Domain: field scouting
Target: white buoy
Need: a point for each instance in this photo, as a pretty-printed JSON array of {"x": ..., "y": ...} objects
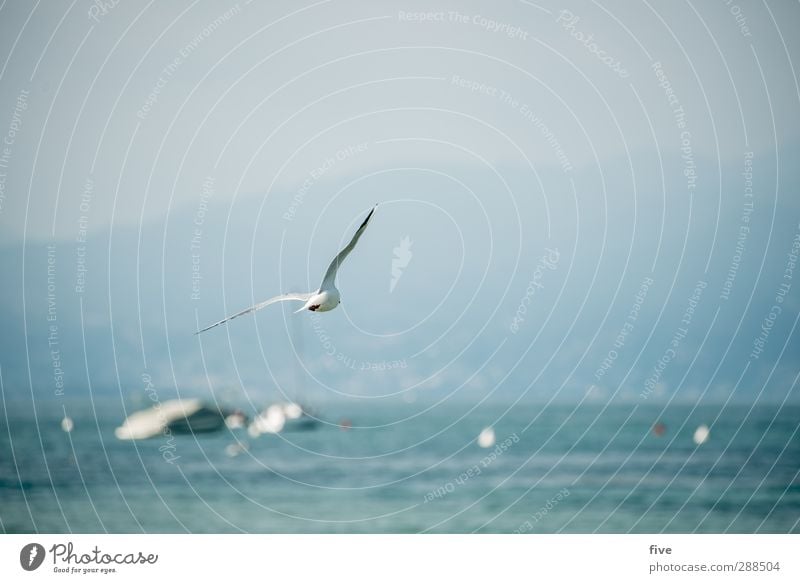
[
  {"x": 701, "y": 434},
  {"x": 486, "y": 437},
  {"x": 67, "y": 424}
]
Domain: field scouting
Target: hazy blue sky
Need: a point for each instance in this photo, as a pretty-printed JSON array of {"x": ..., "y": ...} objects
[{"x": 166, "y": 165}]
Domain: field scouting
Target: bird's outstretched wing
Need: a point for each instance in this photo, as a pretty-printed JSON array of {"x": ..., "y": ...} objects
[
  {"x": 330, "y": 275},
  {"x": 282, "y": 298}
]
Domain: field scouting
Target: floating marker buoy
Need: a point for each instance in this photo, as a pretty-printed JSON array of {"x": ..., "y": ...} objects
[
  {"x": 701, "y": 434},
  {"x": 66, "y": 424},
  {"x": 486, "y": 437}
]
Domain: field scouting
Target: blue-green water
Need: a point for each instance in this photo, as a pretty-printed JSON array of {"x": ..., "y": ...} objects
[{"x": 403, "y": 469}]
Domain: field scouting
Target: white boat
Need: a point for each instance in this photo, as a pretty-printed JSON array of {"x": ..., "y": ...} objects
[
  {"x": 282, "y": 417},
  {"x": 175, "y": 416}
]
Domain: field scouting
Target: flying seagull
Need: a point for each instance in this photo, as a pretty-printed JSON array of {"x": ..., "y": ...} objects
[{"x": 326, "y": 298}]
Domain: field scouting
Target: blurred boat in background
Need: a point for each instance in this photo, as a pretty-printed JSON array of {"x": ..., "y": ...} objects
[
  {"x": 280, "y": 417},
  {"x": 175, "y": 416}
]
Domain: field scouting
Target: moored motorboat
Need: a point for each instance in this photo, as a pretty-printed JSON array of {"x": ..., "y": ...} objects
[{"x": 175, "y": 416}]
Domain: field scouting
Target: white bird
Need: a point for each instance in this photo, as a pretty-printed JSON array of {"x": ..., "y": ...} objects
[{"x": 326, "y": 298}]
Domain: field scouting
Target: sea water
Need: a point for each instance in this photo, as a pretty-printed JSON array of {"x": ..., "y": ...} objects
[{"x": 410, "y": 468}]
